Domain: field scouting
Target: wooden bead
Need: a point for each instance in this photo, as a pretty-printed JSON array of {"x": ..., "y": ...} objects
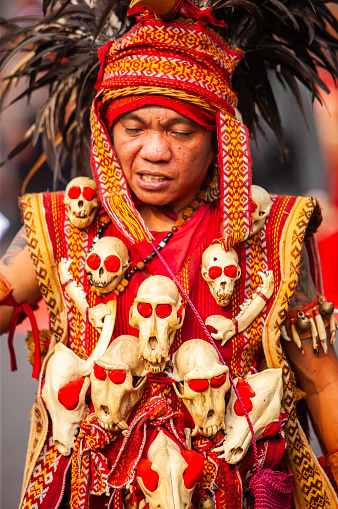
[
  {"x": 188, "y": 212},
  {"x": 149, "y": 258},
  {"x": 180, "y": 222},
  {"x": 124, "y": 282},
  {"x": 117, "y": 293},
  {"x": 195, "y": 204},
  {"x": 140, "y": 265},
  {"x": 174, "y": 229},
  {"x": 120, "y": 288}
]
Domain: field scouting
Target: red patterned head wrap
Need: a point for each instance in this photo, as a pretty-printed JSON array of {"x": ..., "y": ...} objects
[{"x": 183, "y": 65}]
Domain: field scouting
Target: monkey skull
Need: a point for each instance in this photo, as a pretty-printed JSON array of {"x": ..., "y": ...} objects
[
  {"x": 81, "y": 201},
  {"x": 106, "y": 264},
  {"x": 157, "y": 312},
  {"x": 118, "y": 382},
  {"x": 202, "y": 382},
  {"x": 220, "y": 270},
  {"x": 262, "y": 201}
]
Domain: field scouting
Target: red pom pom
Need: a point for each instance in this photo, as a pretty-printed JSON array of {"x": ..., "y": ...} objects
[
  {"x": 149, "y": 477},
  {"x": 112, "y": 263},
  {"x": 69, "y": 394},
  {"x": 163, "y": 310},
  {"x": 74, "y": 192},
  {"x": 218, "y": 381},
  {"x": 93, "y": 261},
  {"x": 214, "y": 272},
  {"x": 230, "y": 271},
  {"x": 145, "y": 309},
  {"x": 117, "y": 376},
  {"x": 89, "y": 193},
  {"x": 99, "y": 372},
  {"x": 272, "y": 429},
  {"x": 198, "y": 385},
  {"x": 194, "y": 469}
]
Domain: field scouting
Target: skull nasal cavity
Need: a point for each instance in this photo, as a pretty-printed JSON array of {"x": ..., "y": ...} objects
[
  {"x": 105, "y": 409},
  {"x": 210, "y": 414},
  {"x": 153, "y": 343},
  {"x": 112, "y": 263},
  {"x": 93, "y": 261}
]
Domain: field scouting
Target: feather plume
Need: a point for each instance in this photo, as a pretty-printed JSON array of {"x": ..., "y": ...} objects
[{"x": 295, "y": 39}]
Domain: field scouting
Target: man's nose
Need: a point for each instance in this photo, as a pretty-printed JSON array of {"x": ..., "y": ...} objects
[{"x": 156, "y": 148}]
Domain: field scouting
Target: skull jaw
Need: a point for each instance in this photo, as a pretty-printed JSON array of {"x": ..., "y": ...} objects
[
  {"x": 81, "y": 218},
  {"x": 155, "y": 351},
  {"x": 223, "y": 299},
  {"x": 64, "y": 436},
  {"x": 103, "y": 287},
  {"x": 222, "y": 294}
]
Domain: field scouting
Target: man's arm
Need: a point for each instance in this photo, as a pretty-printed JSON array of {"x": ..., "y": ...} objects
[
  {"x": 18, "y": 270},
  {"x": 317, "y": 374}
]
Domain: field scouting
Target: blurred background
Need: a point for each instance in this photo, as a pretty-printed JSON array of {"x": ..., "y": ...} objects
[{"x": 312, "y": 169}]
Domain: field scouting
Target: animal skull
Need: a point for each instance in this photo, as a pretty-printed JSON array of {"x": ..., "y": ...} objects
[
  {"x": 106, "y": 264},
  {"x": 63, "y": 393},
  {"x": 265, "y": 409},
  {"x": 168, "y": 476},
  {"x": 220, "y": 270},
  {"x": 118, "y": 381},
  {"x": 261, "y": 199},
  {"x": 81, "y": 201},
  {"x": 157, "y": 312},
  {"x": 202, "y": 384}
]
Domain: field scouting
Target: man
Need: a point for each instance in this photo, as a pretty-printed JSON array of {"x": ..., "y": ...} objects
[{"x": 154, "y": 158}]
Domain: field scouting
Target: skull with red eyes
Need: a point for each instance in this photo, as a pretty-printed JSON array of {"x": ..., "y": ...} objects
[
  {"x": 118, "y": 382},
  {"x": 202, "y": 382},
  {"x": 220, "y": 270},
  {"x": 157, "y": 312},
  {"x": 81, "y": 201},
  {"x": 106, "y": 264}
]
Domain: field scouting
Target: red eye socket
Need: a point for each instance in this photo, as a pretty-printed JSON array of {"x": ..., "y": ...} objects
[
  {"x": 230, "y": 271},
  {"x": 198, "y": 385},
  {"x": 214, "y": 272},
  {"x": 69, "y": 394},
  {"x": 99, "y": 372},
  {"x": 112, "y": 263},
  {"x": 145, "y": 309},
  {"x": 89, "y": 193},
  {"x": 93, "y": 261},
  {"x": 74, "y": 192},
  {"x": 117, "y": 376},
  {"x": 163, "y": 310},
  {"x": 218, "y": 381}
]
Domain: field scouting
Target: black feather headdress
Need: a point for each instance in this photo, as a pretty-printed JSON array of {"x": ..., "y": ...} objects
[{"x": 295, "y": 39}]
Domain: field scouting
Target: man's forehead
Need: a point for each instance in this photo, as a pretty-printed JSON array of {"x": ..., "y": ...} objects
[{"x": 154, "y": 113}]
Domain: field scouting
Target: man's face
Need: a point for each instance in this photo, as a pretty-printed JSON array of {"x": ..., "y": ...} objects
[{"x": 164, "y": 155}]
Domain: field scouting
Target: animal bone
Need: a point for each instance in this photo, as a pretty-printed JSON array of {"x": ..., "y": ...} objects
[
  {"x": 168, "y": 476},
  {"x": 81, "y": 201},
  {"x": 250, "y": 309},
  {"x": 220, "y": 270},
  {"x": 118, "y": 382},
  {"x": 63, "y": 368},
  {"x": 157, "y": 312},
  {"x": 266, "y": 407},
  {"x": 202, "y": 382}
]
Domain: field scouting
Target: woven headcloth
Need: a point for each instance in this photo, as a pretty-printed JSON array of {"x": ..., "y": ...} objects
[{"x": 186, "y": 66}]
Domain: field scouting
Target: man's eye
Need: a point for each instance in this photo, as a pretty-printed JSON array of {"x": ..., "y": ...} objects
[
  {"x": 131, "y": 130},
  {"x": 182, "y": 134}
]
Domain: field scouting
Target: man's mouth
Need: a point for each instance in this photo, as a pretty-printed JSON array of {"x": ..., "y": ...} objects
[{"x": 152, "y": 178}]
